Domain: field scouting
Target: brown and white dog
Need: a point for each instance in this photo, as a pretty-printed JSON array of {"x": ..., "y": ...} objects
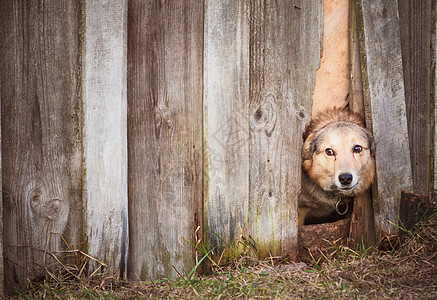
[{"x": 338, "y": 163}]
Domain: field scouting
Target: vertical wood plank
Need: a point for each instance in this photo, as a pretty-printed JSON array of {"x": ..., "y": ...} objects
[
  {"x": 415, "y": 29},
  {"x": 226, "y": 124},
  {"x": 105, "y": 133},
  {"x": 41, "y": 133},
  {"x": 333, "y": 76},
  {"x": 434, "y": 93},
  {"x": 165, "y": 41},
  {"x": 384, "y": 75},
  {"x": 2, "y": 270},
  {"x": 356, "y": 97},
  {"x": 362, "y": 226},
  {"x": 285, "y": 55}
]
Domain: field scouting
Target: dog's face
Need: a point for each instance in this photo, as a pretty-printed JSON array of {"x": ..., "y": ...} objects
[{"x": 339, "y": 158}]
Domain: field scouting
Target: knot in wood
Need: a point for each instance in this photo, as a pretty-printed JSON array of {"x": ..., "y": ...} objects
[
  {"x": 301, "y": 114},
  {"x": 52, "y": 209},
  {"x": 263, "y": 115},
  {"x": 164, "y": 116},
  {"x": 35, "y": 197}
]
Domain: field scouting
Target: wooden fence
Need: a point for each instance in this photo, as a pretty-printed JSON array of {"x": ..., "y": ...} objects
[{"x": 127, "y": 125}]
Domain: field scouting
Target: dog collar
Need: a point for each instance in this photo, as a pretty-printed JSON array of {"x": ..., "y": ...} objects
[{"x": 341, "y": 206}]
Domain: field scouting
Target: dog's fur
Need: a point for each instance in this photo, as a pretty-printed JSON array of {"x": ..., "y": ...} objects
[{"x": 326, "y": 173}]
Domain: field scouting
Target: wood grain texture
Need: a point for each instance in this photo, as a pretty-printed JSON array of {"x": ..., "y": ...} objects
[
  {"x": 434, "y": 98},
  {"x": 226, "y": 123},
  {"x": 356, "y": 97},
  {"x": 415, "y": 28},
  {"x": 362, "y": 226},
  {"x": 2, "y": 270},
  {"x": 333, "y": 76},
  {"x": 384, "y": 75},
  {"x": 285, "y": 54},
  {"x": 105, "y": 133},
  {"x": 164, "y": 135},
  {"x": 41, "y": 133}
]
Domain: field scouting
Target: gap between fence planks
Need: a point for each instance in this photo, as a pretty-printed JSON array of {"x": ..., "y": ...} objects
[{"x": 333, "y": 76}]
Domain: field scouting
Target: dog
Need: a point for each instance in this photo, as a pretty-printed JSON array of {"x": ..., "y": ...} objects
[{"x": 338, "y": 163}]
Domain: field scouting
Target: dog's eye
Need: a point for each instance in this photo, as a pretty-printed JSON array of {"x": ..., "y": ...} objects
[
  {"x": 329, "y": 152},
  {"x": 358, "y": 149}
]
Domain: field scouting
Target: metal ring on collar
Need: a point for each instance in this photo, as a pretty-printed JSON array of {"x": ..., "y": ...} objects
[{"x": 341, "y": 201}]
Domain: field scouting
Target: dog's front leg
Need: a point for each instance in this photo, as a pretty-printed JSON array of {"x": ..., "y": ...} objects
[{"x": 302, "y": 212}]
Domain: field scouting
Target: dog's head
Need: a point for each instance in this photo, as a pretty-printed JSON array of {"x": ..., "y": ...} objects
[{"x": 338, "y": 152}]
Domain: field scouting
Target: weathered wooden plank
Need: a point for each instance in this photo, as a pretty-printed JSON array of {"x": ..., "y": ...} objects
[
  {"x": 362, "y": 226},
  {"x": 105, "y": 133},
  {"x": 2, "y": 270},
  {"x": 333, "y": 81},
  {"x": 384, "y": 75},
  {"x": 415, "y": 29},
  {"x": 41, "y": 149},
  {"x": 356, "y": 97},
  {"x": 226, "y": 124},
  {"x": 285, "y": 55},
  {"x": 164, "y": 135},
  {"x": 434, "y": 100}
]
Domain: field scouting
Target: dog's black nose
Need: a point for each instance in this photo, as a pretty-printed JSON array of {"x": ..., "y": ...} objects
[{"x": 345, "y": 178}]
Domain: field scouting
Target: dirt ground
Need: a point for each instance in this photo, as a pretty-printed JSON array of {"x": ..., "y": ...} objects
[{"x": 399, "y": 268}]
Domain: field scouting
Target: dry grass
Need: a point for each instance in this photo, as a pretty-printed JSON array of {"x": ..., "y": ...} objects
[{"x": 400, "y": 270}]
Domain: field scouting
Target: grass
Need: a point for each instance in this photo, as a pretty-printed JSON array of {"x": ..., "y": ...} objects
[{"x": 396, "y": 269}]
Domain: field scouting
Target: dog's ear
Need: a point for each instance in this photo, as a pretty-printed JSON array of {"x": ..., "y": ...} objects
[
  {"x": 372, "y": 145},
  {"x": 309, "y": 147},
  {"x": 371, "y": 142}
]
